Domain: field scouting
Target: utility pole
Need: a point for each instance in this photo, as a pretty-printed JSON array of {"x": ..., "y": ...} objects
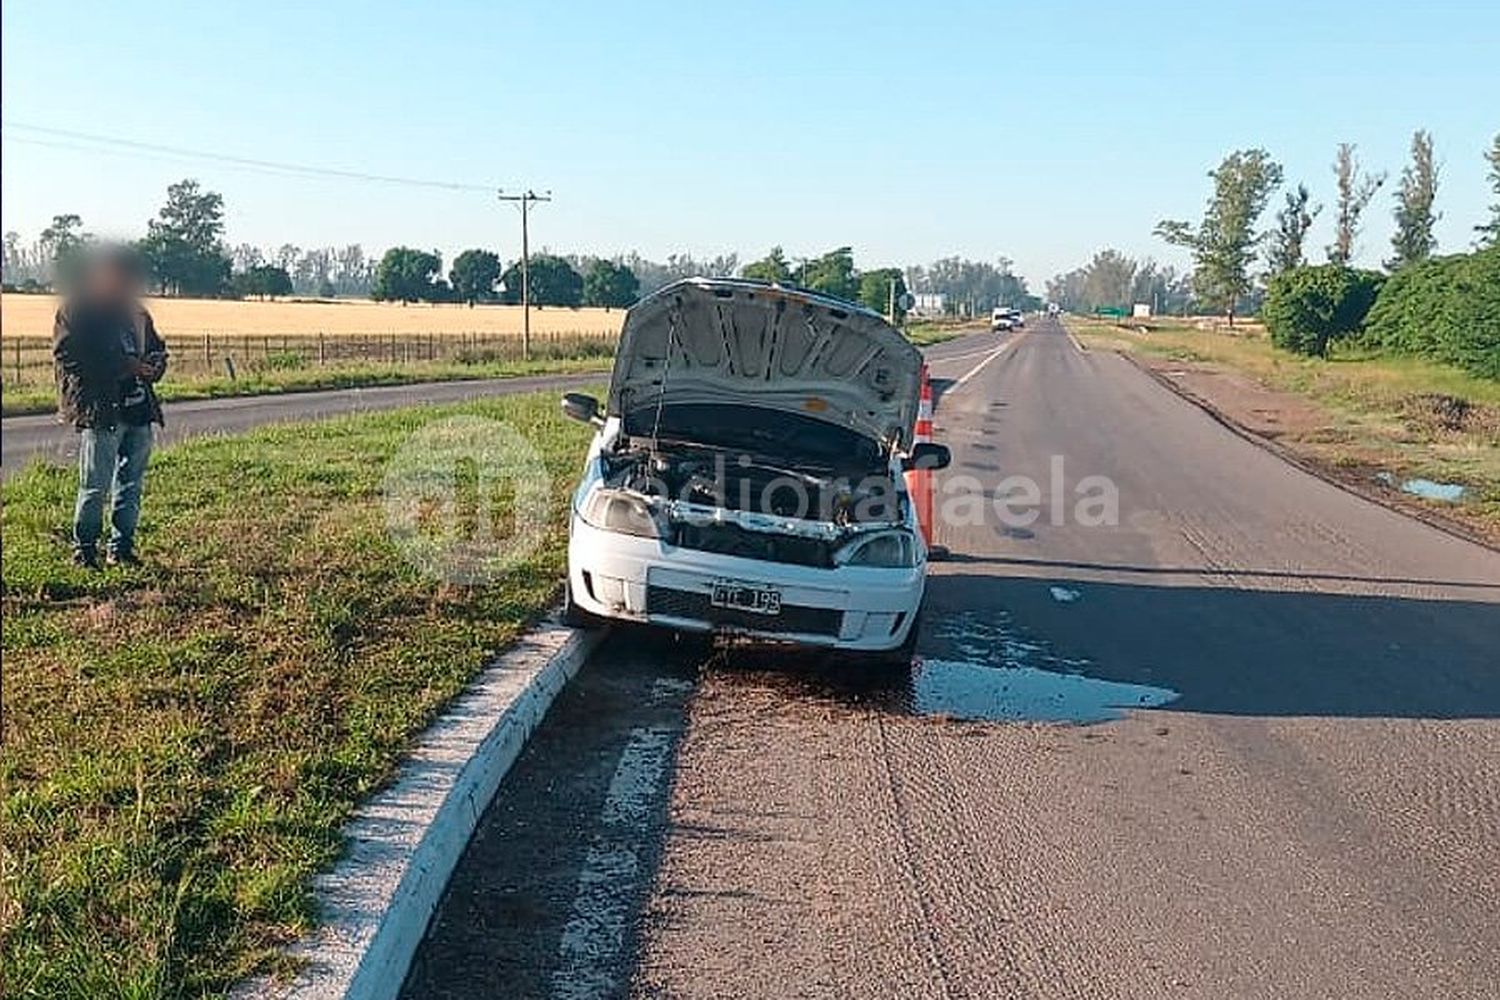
[{"x": 524, "y": 199}]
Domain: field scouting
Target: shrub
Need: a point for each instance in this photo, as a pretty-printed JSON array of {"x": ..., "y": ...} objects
[
  {"x": 1306, "y": 308},
  {"x": 1446, "y": 309}
]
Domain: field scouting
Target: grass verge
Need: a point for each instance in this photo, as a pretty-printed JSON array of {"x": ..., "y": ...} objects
[
  {"x": 184, "y": 741},
  {"x": 1369, "y": 413},
  {"x": 927, "y": 333},
  {"x": 42, "y": 397}
]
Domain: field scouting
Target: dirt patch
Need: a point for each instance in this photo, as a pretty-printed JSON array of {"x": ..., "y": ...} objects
[{"x": 1441, "y": 413}]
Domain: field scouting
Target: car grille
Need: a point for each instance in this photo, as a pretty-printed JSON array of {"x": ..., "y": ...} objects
[
  {"x": 731, "y": 540},
  {"x": 696, "y": 606}
]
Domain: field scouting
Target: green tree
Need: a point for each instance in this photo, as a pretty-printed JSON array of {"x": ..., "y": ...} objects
[
  {"x": 553, "y": 282},
  {"x": 1109, "y": 280},
  {"x": 1413, "y": 240},
  {"x": 1309, "y": 307},
  {"x": 474, "y": 275},
  {"x": 1355, "y": 192},
  {"x": 1444, "y": 308},
  {"x": 262, "y": 281},
  {"x": 406, "y": 275},
  {"x": 1489, "y": 232},
  {"x": 63, "y": 242},
  {"x": 1292, "y": 223},
  {"x": 1223, "y": 246},
  {"x": 610, "y": 285},
  {"x": 875, "y": 291},
  {"x": 833, "y": 274},
  {"x": 184, "y": 245},
  {"x": 772, "y": 267}
]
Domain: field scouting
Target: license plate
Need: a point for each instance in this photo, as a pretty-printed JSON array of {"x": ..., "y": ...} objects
[{"x": 745, "y": 597}]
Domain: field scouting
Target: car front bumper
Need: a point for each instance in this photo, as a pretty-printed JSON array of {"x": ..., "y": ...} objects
[{"x": 855, "y": 608}]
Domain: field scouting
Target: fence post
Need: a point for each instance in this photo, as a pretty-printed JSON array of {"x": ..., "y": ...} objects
[
  {"x": 321, "y": 356},
  {"x": 208, "y": 354},
  {"x": 18, "y": 360}
]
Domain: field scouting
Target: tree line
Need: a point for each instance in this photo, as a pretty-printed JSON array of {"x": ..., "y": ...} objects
[
  {"x": 185, "y": 253},
  {"x": 1442, "y": 307},
  {"x": 1235, "y": 260},
  {"x": 1112, "y": 279}
]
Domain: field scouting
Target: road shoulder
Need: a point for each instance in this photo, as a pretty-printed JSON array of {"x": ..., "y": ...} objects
[{"x": 1283, "y": 423}]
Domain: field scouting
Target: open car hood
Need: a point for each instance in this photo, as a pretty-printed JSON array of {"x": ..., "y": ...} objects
[{"x": 723, "y": 340}]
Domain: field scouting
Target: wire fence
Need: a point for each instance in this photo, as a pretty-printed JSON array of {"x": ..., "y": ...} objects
[{"x": 27, "y": 360}]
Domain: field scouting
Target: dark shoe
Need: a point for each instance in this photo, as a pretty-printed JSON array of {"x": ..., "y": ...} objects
[
  {"x": 86, "y": 558},
  {"x": 124, "y": 557}
]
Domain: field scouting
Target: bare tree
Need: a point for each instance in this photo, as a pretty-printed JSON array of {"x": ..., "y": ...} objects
[{"x": 1355, "y": 192}]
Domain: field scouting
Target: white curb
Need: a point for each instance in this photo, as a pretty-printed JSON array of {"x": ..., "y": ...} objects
[{"x": 405, "y": 842}]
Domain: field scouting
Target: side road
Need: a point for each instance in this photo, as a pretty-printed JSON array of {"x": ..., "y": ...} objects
[{"x": 40, "y": 435}]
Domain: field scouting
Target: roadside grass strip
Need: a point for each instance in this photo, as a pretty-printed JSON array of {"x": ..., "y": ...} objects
[{"x": 183, "y": 742}]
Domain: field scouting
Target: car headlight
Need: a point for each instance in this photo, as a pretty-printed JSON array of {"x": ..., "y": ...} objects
[
  {"x": 886, "y": 550},
  {"x": 613, "y": 510}
]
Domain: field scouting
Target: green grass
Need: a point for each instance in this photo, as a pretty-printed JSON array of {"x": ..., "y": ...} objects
[
  {"x": 925, "y": 334},
  {"x": 42, "y": 397},
  {"x": 1383, "y": 412},
  {"x": 184, "y": 741}
]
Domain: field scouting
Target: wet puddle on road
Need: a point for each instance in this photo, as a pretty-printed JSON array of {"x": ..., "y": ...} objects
[
  {"x": 1006, "y": 675},
  {"x": 1024, "y": 694},
  {"x": 991, "y": 671}
]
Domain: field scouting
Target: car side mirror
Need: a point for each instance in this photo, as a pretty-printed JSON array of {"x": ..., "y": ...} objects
[
  {"x": 927, "y": 455},
  {"x": 582, "y": 408}
]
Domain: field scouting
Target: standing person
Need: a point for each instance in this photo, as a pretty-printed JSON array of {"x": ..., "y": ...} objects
[{"x": 108, "y": 357}]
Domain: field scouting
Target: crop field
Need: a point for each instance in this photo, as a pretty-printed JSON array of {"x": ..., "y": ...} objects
[
  {"x": 225, "y": 347},
  {"x": 31, "y": 316}
]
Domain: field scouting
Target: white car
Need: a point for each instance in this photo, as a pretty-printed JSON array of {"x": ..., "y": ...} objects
[
  {"x": 1005, "y": 318},
  {"x": 746, "y": 476}
]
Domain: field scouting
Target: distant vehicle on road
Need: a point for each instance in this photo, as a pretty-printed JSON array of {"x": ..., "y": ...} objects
[
  {"x": 1004, "y": 318},
  {"x": 746, "y": 475}
]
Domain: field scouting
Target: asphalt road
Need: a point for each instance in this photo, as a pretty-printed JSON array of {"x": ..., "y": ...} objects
[
  {"x": 1312, "y": 809},
  {"x": 41, "y": 436}
]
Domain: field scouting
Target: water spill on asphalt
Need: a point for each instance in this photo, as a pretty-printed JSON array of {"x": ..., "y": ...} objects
[
  {"x": 975, "y": 691},
  {"x": 990, "y": 669},
  {"x": 1007, "y": 675}
]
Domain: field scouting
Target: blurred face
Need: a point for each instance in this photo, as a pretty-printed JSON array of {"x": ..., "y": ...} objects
[{"x": 111, "y": 281}]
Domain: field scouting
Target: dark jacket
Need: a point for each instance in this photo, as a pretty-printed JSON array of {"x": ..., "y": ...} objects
[{"x": 90, "y": 362}]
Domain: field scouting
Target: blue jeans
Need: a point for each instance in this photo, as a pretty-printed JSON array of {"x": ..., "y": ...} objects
[{"x": 111, "y": 462}]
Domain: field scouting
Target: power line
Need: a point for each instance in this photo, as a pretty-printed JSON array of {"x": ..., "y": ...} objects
[{"x": 274, "y": 166}]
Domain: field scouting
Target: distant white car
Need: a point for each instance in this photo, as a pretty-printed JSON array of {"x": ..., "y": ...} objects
[
  {"x": 1005, "y": 318},
  {"x": 746, "y": 474}
]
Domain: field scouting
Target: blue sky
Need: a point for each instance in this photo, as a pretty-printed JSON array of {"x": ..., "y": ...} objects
[{"x": 1037, "y": 131}]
